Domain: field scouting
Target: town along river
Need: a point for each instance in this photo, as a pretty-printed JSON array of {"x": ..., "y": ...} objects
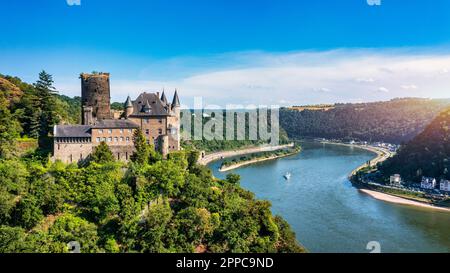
[{"x": 329, "y": 215}]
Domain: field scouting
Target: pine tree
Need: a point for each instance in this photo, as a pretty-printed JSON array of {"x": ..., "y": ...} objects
[
  {"x": 142, "y": 153},
  {"x": 34, "y": 124},
  {"x": 102, "y": 154},
  {"x": 45, "y": 102}
]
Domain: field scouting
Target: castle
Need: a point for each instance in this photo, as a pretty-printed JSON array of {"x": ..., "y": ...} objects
[{"x": 151, "y": 113}]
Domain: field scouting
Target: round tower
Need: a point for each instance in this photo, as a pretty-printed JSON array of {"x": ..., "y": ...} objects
[
  {"x": 95, "y": 93},
  {"x": 128, "y": 107}
]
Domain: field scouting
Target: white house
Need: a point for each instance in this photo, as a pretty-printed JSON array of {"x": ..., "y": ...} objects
[
  {"x": 395, "y": 179},
  {"x": 428, "y": 183},
  {"x": 444, "y": 185}
]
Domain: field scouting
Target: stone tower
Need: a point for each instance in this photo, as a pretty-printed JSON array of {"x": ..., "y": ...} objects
[
  {"x": 173, "y": 124},
  {"x": 128, "y": 107},
  {"x": 95, "y": 93}
]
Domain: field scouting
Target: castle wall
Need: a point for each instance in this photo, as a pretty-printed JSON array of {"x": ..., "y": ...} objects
[
  {"x": 119, "y": 141},
  {"x": 152, "y": 128},
  {"x": 71, "y": 151},
  {"x": 95, "y": 92}
]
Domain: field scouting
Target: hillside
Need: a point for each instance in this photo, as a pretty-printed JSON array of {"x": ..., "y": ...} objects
[
  {"x": 149, "y": 205},
  {"x": 396, "y": 121},
  {"x": 146, "y": 205},
  {"x": 428, "y": 154}
]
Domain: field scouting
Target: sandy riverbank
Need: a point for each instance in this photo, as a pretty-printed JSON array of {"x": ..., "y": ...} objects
[
  {"x": 253, "y": 161},
  {"x": 399, "y": 200},
  {"x": 224, "y": 154},
  {"x": 382, "y": 155}
]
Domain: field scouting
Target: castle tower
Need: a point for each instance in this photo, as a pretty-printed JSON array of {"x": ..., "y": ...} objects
[
  {"x": 163, "y": 98},
  {"x": 173, "y": 123},
  {"x": 87, "y": 115},
  {"x": 95, "y": 93},
  {"x": 128, "y": 107},
  {"x": 176, "y": 104}
]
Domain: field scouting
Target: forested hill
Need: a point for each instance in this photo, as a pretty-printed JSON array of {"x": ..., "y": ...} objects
[
  {"x": 149, "y": 204},
  {"x": 395, "y": 121},
  {"x": 428, "y": 154}
]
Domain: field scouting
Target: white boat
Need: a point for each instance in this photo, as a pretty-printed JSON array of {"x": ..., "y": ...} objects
[{"x": 287, "y": 176}]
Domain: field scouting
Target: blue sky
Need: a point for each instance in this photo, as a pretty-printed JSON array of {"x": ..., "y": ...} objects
[{"x": 234, "y": 51}]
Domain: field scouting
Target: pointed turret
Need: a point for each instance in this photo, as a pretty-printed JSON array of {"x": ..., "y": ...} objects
[
  {"x": 176, "y": 100},
  {"x": 163, "y": 98},
  {"x": 128, "y": 105}
]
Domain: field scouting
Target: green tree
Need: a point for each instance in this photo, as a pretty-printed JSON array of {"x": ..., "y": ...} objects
[
  {"x": 102, "y": 154},
  {"x": 142, "y": 153},
  {"x": 154, "y": 231},
  {"x": 27, "y": 212},
  {"x": 68, "y": 228},
  {"x": 45, "y": 102},
  {"x": 233, "y": 178},
  {"x": 145, "y": 153},
  {"x": 10, "y": 130},
  {"x": 12, "y": 239}
]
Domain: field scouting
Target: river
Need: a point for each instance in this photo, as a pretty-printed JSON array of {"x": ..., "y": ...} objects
[{"x": 329, "y": 215}]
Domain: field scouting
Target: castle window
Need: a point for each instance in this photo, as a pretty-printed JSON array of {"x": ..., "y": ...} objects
[
  {"x": 128, "y": 139},
  {"x": 109, "y": 139},
  {"x": 98, "y": 139},
  {"x": 100, "y": 131},
  {"x": 130, "y": 130},
  {"x": 116, "y": 139},
  {"x": 160, "y": 131},
  {"x": 147, "y": 131},
  {"x": 121, "y": 131},
  {"x": 110, "y": 131},
  {"x": 160, "y": 120},
  {"x": 104, "y": 139},
  {"x": 121, "y": 139}
]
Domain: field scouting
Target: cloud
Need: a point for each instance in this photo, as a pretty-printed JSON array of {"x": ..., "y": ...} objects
[
  {"x": 322, "y": 89},
  {"x": 409, "y": 86},
  {"x": 73, "y": 2},
  {"x": 365, "y": 80},
  {"x": 342, "y": 75},
  {"x": 383, "y": 89}
]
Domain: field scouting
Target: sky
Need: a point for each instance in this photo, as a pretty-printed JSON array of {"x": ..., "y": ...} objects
[{"x": 235, "y": 51}]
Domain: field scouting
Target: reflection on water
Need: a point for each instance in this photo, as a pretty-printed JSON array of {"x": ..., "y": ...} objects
[{"x": 329, "y": 215}]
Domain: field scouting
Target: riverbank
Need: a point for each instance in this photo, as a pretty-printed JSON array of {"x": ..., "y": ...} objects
[
  {"x": 381, "y": 154},
  {"x": 253, "y": 161},
  {"x": 399, "y": 200},
  {"x": 224, "y": 154}
]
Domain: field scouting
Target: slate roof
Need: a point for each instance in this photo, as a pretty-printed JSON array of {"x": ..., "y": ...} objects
[
  {"x": 72, "y": 131},
  {"x": 158, "y": 108},
  {"x": 114, "y": 123},
  {"x": 176, "y": 100},
  {"x": 128, "y": 103},
  {"x": 163, "y": 98}
]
